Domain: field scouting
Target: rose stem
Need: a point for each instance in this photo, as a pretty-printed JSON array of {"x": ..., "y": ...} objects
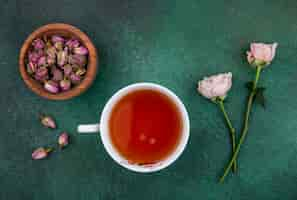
[
  {"x": 246, "y": 124},
  {"x": 231, "y": 129}
]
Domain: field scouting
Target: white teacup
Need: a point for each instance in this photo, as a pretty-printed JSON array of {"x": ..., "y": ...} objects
[{"x": 105, "y": 136}]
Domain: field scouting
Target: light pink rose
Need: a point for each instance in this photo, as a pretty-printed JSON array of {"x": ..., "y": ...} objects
[
  {"x": 261, "y": 54},
  {"x": 215, "y": 86}
]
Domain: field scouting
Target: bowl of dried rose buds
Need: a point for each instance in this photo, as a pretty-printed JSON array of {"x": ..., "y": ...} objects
[{"x": 58, "y": 61}]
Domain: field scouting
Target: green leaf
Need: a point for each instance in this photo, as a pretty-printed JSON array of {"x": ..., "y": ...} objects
[
  {"x": 259, "y": 97},
  {"x": 249, "y": 85}
]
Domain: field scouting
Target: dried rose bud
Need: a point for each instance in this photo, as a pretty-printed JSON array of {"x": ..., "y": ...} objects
[
  {"x": 51, "y": 86},
  {"x": 57, "y": 74},
  {"x": 63, "y": 140},
  {"x": 41, "y": 61},
  {"x": 80, "y": 50},
  {"x": 42, "y": 72},
  {"x": 75, "y": 67},
  {"x": 71, "y": 59},
  {"x": 48, "y": 44},
  {"x": 31, "y": 67},
  {"x": 33, "y": 57},
  {"x": 80, "y": 60},
  {"x": 81, "y": 71},
  {"x": 56, "y": 38},
  {"x": 72, "y": 43},
  {"x": 50, "y": 60},
  {"x": 40, "y": 53},
  {"x": 51, "y": 55},
  {"x": 65, "y": 84},
  {"x": 51, "y": 52},
  {"x": 41, "y": 79},
  {"x": 38, "y": 44},
  {"x": 47, "y": 121},
  {"x": 62, "y": 57},
  {"x": 58, "y": 46},
  {"x": 75, "y": 79},
  {"x": 41, "y": 153},
  {"x": 67, "y": 70}
]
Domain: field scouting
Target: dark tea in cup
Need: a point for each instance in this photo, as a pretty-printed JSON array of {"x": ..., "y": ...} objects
[{"x": 145, "y": 126}]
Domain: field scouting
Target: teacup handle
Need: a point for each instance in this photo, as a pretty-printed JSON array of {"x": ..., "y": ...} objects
[{"x": 88, "y": 128}]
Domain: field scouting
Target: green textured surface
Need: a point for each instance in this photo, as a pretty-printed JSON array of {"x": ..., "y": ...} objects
[{"x": 173, "y": 43}]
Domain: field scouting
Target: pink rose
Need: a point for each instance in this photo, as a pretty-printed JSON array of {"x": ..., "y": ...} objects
[
  {"x": 261, "y": 54},
  {"x": 215, "y": 86}
]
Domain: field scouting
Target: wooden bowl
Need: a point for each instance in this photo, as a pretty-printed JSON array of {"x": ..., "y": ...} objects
[{"x": 66, "y": 31}]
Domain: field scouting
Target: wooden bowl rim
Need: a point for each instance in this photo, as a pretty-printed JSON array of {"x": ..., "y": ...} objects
[{"x": 90, "y": 76}]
